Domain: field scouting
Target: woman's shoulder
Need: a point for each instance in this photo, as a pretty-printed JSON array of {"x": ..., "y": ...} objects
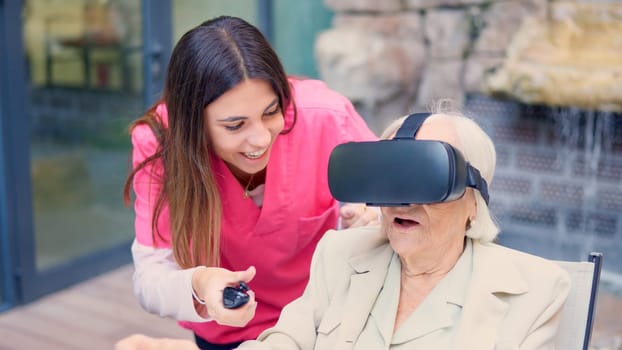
[
  {"x": 142, "y": 133},
  {"x": 532, "y": 267},
  {"x": 353, "y": 241},
  {"x": 322, "y": 111}
]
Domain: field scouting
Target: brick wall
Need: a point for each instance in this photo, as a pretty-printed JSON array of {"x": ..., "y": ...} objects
[{"x": 557, "y": 191}]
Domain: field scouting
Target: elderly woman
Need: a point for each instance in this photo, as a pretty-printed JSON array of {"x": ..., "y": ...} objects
[{"x": 429, "y": 277}]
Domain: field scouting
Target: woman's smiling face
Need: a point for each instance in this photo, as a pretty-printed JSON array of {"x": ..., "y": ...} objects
[
  {"x": 243, "y": 124},
  {"x": 416, "y": 229}
]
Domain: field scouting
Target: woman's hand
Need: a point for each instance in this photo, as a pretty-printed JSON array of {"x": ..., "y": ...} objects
[
  {"x": 354, "y": 215},
  {"x": 209, "y": 283},
  {"x": 142, "y": 342}
]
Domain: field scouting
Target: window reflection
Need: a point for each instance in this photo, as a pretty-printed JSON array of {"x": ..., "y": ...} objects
[{"x": 85, "y": 76}]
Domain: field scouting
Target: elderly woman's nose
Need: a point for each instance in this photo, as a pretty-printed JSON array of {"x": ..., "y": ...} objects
[
  {"x": 409, "y": 207},
  {"x": 259, "y": 136},
  {"x": 399, "y": 210}
]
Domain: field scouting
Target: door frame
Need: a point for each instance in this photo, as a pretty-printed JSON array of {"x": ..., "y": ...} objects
[{"x": 14, "y": 158}]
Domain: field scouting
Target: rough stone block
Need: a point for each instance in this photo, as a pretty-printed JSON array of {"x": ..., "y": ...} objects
[
  {"x": 441, "y": 80},
  {"x": 363, "y": 5},
  {"x": 500, "y": 22},
  {"x": 368, "y": 68},
  {"x": 405, "y": 25},
  {"x": 447, "y": 33},
  {"x": 477, "y": 67},
  {"x": 426, "y": 4}
]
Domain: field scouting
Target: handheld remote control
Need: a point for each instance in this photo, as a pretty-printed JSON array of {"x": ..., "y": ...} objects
[{"x": 234, "y": 297}]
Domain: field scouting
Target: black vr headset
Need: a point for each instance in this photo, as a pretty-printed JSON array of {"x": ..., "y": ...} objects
[{"x": 401, "y": 171}]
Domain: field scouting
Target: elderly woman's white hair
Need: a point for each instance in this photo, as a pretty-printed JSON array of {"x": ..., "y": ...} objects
[{"x": 478, "y": 149}]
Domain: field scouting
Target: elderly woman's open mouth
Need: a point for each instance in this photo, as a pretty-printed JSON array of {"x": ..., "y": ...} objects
[{"x": 404, "y": 223}]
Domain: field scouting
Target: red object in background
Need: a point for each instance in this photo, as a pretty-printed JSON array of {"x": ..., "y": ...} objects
[{"x": 103, "y": 75}]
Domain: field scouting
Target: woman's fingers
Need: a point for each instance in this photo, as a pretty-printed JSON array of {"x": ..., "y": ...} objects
[
  {"x": 143, "y": 342},
  {"x": 355, "y": 215}
]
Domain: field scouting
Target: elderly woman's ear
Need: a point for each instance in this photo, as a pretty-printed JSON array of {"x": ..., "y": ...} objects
[{"x": 470, "y": 221}]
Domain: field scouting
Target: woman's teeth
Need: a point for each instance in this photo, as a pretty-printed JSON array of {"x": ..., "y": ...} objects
[{"x": 255, "y": 155}]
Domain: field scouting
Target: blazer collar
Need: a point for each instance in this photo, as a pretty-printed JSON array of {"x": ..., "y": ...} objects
[
  {"x": 495, "y": 278},
  {"x": 370, "y": 270},
  {"x": 365, "y": 287}
]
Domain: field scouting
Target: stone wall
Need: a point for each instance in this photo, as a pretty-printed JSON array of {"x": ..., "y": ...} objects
[{"x": 393, "y": 56}]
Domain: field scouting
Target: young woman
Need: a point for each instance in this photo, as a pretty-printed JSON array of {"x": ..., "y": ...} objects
[{"x": 230, "y": 182}]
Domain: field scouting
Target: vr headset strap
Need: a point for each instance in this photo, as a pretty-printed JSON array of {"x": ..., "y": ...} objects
[
  {"x": 411, "y": 125},
  {"x": 475, "y": 180}
]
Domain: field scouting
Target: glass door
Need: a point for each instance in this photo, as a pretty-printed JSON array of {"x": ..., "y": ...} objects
[
  {"x": 84, "y": 84},
  {"x": 90, "y": 67},
  {"x": 190, "y": 13}
]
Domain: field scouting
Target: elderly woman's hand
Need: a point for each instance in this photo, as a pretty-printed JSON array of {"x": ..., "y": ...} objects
[
  {"x": 354, "y": 215},
  {"x": 143, "y": 342}
]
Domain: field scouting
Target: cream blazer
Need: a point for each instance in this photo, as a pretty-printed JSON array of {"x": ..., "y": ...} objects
[{"x": 513, "y": 300}]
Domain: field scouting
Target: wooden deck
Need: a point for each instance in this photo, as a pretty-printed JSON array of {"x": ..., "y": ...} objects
[
  {"x": 98, "y": 312},
  {"x": 91, "y": 315}
]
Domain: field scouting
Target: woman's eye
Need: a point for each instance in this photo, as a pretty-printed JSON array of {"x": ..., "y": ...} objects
[
  {"x": 234, "y": 127},
  {"x": 275, "y": 111}
]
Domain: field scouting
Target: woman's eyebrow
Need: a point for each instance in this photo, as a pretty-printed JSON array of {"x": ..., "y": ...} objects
[{"x": 232, "y": 119}]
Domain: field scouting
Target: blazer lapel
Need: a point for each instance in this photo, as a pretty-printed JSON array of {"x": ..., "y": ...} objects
[
  {"x": 494, "y": 278},
  {"x": 365, "y": 285},
  {"x": 432, "y": 315}
]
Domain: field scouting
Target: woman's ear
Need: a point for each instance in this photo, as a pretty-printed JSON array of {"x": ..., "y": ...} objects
[
  {"x": 472, "y": 198},
  {"x": 472, "y": 211}
]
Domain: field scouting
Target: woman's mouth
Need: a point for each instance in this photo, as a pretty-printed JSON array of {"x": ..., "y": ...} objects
[
  {"x": 255, "y": 155},
  {"x": 404, "y": 223}
]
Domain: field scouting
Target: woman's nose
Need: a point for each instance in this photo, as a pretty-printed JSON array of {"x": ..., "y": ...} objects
[
  {"x": 405, "y": 208},
  {"x": 260, "y": 136}
]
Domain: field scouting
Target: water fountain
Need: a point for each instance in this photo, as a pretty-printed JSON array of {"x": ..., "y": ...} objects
[{"x": 562, "y": 74}]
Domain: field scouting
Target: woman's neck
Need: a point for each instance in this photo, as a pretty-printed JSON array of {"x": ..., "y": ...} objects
[
  {"x": 434, "y": 265},
  {"x": 248, "y": 181},
  {"x": 419, "y": 276}
]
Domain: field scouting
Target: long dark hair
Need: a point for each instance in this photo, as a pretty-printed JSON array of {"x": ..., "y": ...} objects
[{"x": 208, "y": 60}]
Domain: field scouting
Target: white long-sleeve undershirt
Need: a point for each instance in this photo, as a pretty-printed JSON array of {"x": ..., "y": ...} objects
[{"x": 161, "y": 286}]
